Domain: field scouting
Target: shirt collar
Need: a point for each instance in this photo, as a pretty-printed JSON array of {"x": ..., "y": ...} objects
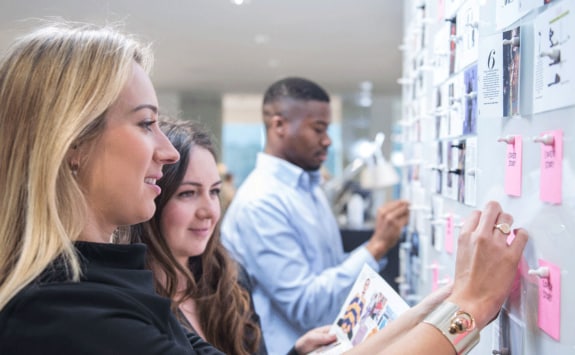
[{"x": 287, "y": 172}]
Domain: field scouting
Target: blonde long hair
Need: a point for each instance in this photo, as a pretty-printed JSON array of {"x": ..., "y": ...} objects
[{"x": 56, "y": 84}]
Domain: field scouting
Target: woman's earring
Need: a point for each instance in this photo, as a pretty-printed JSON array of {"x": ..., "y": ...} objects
[{"x": 74, "y": 168}]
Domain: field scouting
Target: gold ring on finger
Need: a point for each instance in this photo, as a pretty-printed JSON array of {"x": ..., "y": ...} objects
[{"x": 504, "y": 228}]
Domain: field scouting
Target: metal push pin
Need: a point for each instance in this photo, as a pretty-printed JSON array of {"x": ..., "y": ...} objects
[
  {"x": 542, "y": 271},
  {"x": 514, "y": 41},
  {"x": 546, "y": 139},
  {"x": 507, "y": 139},
  {"x": 554, "y": 54}
]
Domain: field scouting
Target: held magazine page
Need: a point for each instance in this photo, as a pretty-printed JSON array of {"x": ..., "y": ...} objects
[{"x": 371, "y": 304}]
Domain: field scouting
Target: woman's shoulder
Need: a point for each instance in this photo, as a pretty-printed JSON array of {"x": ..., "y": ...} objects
[
  {"x": 57, "y": 304},
  {"x": 244, "y": 278},
  {"x": 68, "y": 299},
  {"x": 101, "y": 291},
  {"x": 65, "y": 316}
]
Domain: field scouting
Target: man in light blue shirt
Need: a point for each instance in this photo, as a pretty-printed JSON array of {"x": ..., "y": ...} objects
[{"x": 280, "y": 225}]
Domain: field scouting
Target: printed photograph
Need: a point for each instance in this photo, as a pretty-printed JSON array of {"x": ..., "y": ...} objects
[
  {"x": 470, "y": 80},
  {"x": 511, "y": 66}
]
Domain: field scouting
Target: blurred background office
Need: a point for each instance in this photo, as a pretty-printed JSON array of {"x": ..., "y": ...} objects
[{"x": 215, "y": 58}]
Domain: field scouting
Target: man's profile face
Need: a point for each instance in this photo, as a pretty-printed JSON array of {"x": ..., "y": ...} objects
[{"x": 306, "y": 139}]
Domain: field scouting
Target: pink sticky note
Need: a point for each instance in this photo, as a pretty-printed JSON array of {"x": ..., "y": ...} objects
[
  {"x": 449, "y": 234},
  {"x": 444, "y": 281},
  {"x": 513, "y": 161},
  {"x": 434, "y": 276},
  {"x": 551, "y": 168},
  {"x": 440, "y": 9},
  {"x": 549, "y": 314},
  {"x": 510, "y": 237}
]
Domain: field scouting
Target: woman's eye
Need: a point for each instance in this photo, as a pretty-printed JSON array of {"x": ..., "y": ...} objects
[
  {"x": 216, "y": 192},
  {"x": 187, "y": 193},
  {"x": 147, "y": 124}
]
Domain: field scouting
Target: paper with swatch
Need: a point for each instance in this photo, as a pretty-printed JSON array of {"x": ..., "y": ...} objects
[{"x": 370, "y": 305}]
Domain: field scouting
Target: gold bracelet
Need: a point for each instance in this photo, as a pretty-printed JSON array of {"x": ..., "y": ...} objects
[{"x": 456, "y": 325}]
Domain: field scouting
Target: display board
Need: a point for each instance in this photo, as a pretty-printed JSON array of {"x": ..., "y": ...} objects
[{"x": 489, "y": 114}]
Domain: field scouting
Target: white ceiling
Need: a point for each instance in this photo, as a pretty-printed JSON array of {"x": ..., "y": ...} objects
[{"x": 210, "y": 45}]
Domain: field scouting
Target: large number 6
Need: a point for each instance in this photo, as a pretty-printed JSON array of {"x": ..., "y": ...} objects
[{"x": 491, "y": 59}]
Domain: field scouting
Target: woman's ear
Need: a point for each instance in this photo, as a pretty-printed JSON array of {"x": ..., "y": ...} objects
[{"x": 73, "y": 159}]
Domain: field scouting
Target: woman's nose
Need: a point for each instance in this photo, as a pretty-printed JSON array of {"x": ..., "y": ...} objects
[
  {"x": 209, "y": 208},
  {"x": 165, "y": 152}
]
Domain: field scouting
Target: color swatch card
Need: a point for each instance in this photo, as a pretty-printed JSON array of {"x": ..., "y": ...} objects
[
  {"x": 456, "y": 95},
  {"x": 554, "y": 57},
  {"x": 467, "y": 33},
  {"x": 470, "y": 197},
  {"x": 437, "y": 224},
  {"x": 498, "y": 74},
  {"x": 490, "y": 76},
  {"x": 509, "y": 11},
  {"x": 441, "y": 54}
]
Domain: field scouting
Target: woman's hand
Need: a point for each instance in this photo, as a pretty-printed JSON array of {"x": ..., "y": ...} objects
[{"x": 486, "y": 263}]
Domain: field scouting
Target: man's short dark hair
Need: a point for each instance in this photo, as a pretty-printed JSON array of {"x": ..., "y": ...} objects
[{"x": 296, "y": 89}]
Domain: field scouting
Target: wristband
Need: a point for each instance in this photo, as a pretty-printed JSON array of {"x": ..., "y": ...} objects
[{"x": 456, "y": 325}]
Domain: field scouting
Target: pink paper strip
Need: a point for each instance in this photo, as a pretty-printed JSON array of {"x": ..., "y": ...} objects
[
  {"x": 549, "y": 314},
  {"x": 513, "y": 167},
  {"x": 434, "y": 276},
  {"x": 449, "y": 234},
  {"x": 551, "y": 168}
]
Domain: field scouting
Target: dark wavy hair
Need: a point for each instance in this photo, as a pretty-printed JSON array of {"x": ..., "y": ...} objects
[{"x": 212, "y": 278}]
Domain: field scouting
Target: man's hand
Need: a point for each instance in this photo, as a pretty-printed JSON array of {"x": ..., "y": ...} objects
[
  {"x": 314, "y": 339},
  {"x": 389, "y": 221}
]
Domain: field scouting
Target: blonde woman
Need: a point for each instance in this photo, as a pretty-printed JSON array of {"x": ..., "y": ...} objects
[{"x": 80, "y": 155}]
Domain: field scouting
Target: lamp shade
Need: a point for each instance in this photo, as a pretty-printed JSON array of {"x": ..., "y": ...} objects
[{"x": 379, "y": 175}]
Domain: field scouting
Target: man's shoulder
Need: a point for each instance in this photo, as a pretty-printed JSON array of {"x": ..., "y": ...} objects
[{"x": 260, "y": 188}]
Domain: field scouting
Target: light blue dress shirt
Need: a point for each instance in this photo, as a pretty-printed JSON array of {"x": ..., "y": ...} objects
[{"x": 281, "y": 228}]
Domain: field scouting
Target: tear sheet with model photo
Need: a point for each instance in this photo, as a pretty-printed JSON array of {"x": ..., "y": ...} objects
[{"x": 371, "y": 304}]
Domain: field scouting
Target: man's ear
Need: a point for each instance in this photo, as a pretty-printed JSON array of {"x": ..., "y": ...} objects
[{"x": 278, "y": 125}]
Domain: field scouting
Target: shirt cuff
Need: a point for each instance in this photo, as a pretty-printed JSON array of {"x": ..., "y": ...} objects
[
  {"x": 292, "y": 351},
  {"x": 362, "y": 256}
]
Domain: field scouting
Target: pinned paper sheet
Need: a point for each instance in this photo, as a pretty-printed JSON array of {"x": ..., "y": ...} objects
[
  {"x": 551, "y": 166},
  {"x": 434, "y": 276},
  {"x": 549, "y": 314},
  {"x": 513, "y": 169},
  {"x": 449, "y": 234}
]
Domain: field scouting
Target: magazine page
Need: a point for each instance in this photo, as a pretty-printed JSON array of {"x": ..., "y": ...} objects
[{"x": 370, "y": 305}]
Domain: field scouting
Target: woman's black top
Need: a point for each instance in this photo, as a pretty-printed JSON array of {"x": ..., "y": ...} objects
[{"x": 112, "y": 310}]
